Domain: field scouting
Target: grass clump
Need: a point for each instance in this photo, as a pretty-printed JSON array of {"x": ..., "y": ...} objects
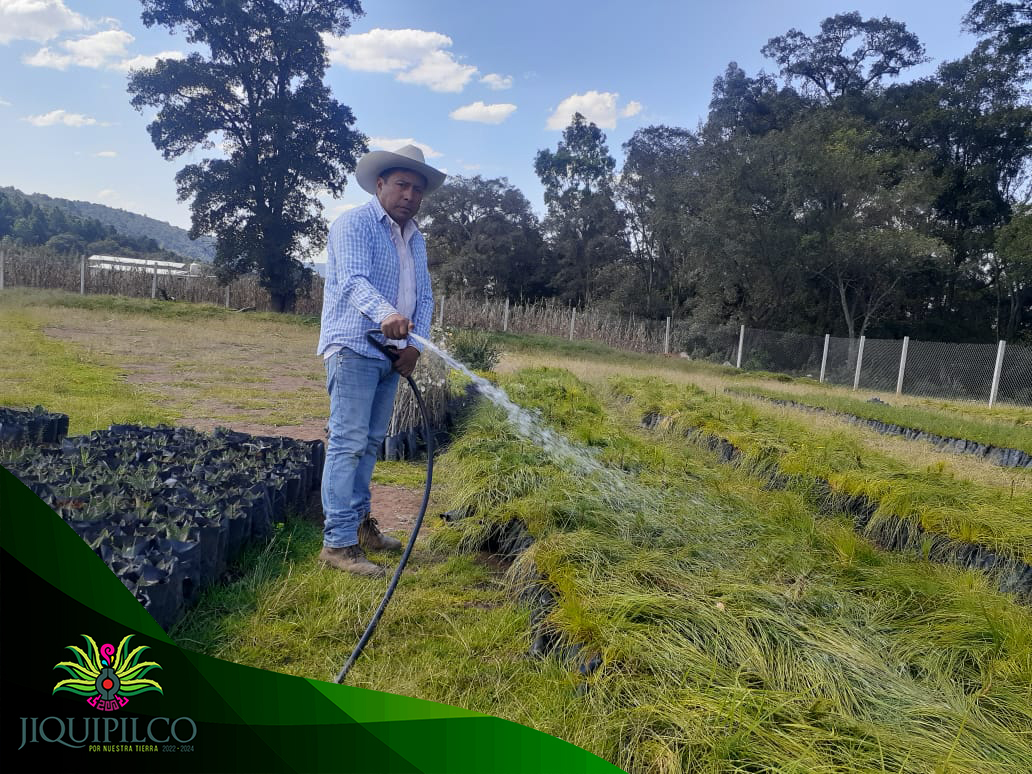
[{"x": 476, "y": 349}]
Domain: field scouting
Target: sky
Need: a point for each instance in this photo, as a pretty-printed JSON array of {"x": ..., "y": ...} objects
[{"x": 481, "y": 87}]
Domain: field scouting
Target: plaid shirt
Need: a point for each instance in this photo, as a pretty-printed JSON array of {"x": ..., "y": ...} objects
[{"x": 362, "y": 274}]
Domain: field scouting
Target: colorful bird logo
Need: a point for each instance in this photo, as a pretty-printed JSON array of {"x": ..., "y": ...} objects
[{"x": 106, "y": 675}]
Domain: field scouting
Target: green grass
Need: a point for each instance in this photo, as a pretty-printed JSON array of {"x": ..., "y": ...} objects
[
  {"x": 1016, "y": 434},
  {"x": 958, "y": 509},
  {"x": 39, "y": 370},
  {"x": 451, "y": 633},
  {"x": 400, "y": 473},
  {"x": 738, "y": 632}
]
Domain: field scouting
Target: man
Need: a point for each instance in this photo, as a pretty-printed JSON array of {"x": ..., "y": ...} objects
[{"x": 376, "y": 278}]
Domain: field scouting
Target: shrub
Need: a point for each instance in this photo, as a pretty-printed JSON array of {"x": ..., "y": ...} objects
[{"x": 475, "y": 349}]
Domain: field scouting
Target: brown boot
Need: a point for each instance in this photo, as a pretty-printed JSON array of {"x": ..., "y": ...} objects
[
  {"x": 370, "y": 537},
  {"x": 351, "y": 559}
]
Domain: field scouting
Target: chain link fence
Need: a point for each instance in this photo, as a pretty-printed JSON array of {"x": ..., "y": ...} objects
[
  {"x": 934, "y": 368},
  {"x": 937, "y": 369}
]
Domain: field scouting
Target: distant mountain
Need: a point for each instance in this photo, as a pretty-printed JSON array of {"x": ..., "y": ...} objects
[{"x": 169, "y": 237}]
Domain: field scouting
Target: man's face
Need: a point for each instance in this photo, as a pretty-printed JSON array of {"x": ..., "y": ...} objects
[{"x": 400, "y": 194}]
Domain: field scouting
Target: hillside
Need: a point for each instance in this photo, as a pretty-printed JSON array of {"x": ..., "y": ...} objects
[{"x": 169, "y": 237}]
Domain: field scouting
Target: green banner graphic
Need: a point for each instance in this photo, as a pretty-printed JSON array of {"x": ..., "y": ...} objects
[{"x": 92, "y": 683}]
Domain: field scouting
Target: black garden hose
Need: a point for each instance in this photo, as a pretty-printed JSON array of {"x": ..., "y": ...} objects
[{"x": 429, "y": 436}]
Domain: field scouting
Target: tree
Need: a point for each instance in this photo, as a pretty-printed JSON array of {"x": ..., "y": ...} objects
[
  {"x": 484, "y": 237},
  {"x": 66, "y": 243},
  {"x": 1012, "y": 262},
  {"x": 586, "y": 229},
  {"x": 259, "y": 93},
  {"x": 863, "y": 211},
  {"x": 1006, "y": 28},
  {"x": 881, "y": 47},
  {"x": 656, "y": 188},
  {"x": 751, "y": 105}
]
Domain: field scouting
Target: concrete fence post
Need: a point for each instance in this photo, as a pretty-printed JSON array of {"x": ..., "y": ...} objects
[
  {"x": 82, "y": 275},
  {"x": 666, "y": 339},
  {"x": 859, "y": 363},
  {"x": 902, "y": 365},
  {"x": 824, "y": 357},
  {"x": 997, "y": 372},
  {"x": 154, "y": 284},
  {"x": 741, "y": 344},
  {"x": 227, "y": 295},
  {"x": 3, "y": 255},
  {"x": 440, "y": 313},
  {"x": 573, "y": 321}
]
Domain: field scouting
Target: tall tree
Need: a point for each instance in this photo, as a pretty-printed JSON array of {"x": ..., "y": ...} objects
[
  {"x": 848, "y": 56},
  {"x": 259, "y": 94},
  {"x": 586, "y": 228},
  {"x": 656, "y": 191},
  {"x": 741, "y": 104},
  {"x": 484, "y": 237},
  {"x": 1005, "y": 28}
]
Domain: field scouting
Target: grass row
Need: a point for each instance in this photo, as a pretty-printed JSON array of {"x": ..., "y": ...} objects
[
  {"x": 958, "y": 509},
  {"x": 1013, "y": 434},
  {"x": 738, "y": 632}
]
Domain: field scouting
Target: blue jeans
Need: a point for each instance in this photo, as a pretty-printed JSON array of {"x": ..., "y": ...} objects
[{"x": 361, "y": 401}]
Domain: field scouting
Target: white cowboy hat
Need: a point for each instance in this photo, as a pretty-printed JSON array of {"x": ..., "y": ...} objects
[{"x": 409, "y": 157}]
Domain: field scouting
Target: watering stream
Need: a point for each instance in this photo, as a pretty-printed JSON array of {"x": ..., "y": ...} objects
[{"x": 528, "y": 426}]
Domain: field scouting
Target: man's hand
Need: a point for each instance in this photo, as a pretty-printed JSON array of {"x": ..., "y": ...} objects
[
  {"x": 406, "y": 361},
  {"x": 396, "y": 327}
]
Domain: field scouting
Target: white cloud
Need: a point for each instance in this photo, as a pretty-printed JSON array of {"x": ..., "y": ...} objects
[
  {"x": 38, "y": 20},
  {"x": 393, "y": 143},
  {"x": 4, "y": 103},
  {"x": 440, "y": 72},
  {"x": 61, "y": 117},
  {"x": 106, "y": 154},
  {"x": 96, "y": 51},
  {"x": 484, "y": 114},
  {"x": 496, "y": 81},
  {"x": 107, "y": 50},
  {"x": 415, "y": 56},
  {"x": 599, "y": 107},
  {"x": 632, "y": 108},
  {"x": 146, "y": 60},
  {"x": 384, "y": 51},
  {"x": 107, "y": 193}
]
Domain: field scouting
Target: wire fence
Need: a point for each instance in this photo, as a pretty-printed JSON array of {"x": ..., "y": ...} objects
[{"x": 981, "y": 372}]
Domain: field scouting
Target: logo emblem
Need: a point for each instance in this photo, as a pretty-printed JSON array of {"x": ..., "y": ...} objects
[{"x": 107, "y": 675}]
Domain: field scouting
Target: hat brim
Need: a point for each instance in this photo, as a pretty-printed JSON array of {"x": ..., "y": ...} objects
[{"x": 372, "y": 164}]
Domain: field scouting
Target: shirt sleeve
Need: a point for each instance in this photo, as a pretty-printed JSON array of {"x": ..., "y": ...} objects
[
  {"x": 350, "y": 252},
  {"x": 425, "y": 298}
]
